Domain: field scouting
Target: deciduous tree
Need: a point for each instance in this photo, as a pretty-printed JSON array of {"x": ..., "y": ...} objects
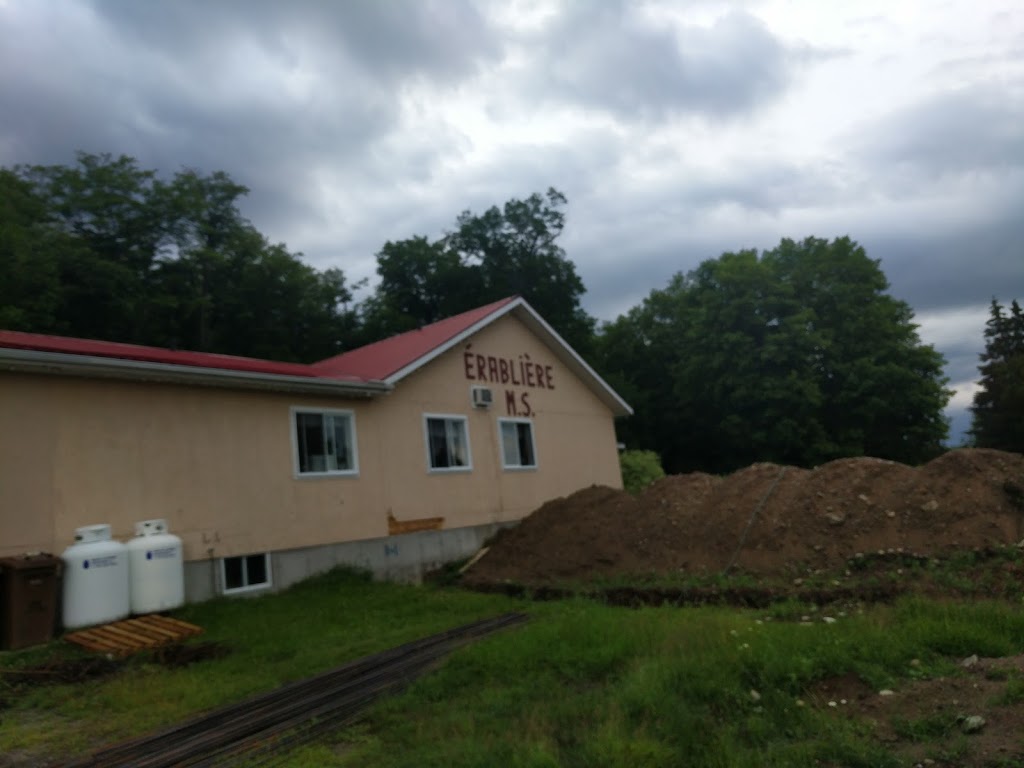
[
  {"x": 797, "y": 356},
  {"x": 107, "y": 250},
  {"x": 516, "y": 251},
  {"x": 421, "y": 282},
  {"x": 512, "y": 250},
  {"x": 109, "y": 207},
  {"x": 31, "y": 254}
]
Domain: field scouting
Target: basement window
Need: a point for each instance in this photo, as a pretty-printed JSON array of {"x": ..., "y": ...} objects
[
  {"x": 325, "y": 442},
  {"x": 517, "y": 449},
  {"x": 245, "y": 573},
  {"x": 447, "y": 440}
]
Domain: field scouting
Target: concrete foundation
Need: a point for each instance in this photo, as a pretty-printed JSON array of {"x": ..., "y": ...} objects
[{"x": 403, "y": 558}]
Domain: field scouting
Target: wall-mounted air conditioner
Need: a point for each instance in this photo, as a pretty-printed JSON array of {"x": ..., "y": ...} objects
[{"x": 482, "y": 397}]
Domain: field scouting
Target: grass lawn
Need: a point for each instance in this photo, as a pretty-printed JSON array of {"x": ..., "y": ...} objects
[{"x": 582, "y": 684}]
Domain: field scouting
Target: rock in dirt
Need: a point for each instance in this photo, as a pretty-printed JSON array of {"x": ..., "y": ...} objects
[{"x": 972, "y": 724}]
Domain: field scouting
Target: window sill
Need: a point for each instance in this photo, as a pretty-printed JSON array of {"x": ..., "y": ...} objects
[
  {"x": 532, "y": 468},
  {"x": 323, "y": 475},
  {"x": 250, "y": 588},
  {"x": 448, "y": 470}
]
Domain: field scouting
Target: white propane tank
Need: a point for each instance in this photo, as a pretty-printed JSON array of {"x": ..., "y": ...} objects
[
  {"x": 157, "y": 568},
  {"x": 95, "y": 578}
]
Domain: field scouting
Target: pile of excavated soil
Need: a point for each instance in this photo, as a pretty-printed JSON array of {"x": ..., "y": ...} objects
[{"x": 766, "y": 519}]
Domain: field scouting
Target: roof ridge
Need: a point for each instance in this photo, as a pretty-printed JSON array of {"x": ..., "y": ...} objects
[
  {"x": 495, "y": 305},
  {"x": 383, "y": 358}
]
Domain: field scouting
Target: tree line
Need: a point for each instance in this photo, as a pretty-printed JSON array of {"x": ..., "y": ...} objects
[
  {"x": 107, "y": 250},
  {"x": 797, "y": 355}
]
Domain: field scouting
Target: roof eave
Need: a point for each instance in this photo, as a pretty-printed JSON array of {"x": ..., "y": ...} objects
[{"x": 89, "y": 366}]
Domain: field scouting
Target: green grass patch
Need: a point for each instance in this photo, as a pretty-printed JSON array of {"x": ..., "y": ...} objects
[
  {"x": 590, "y": 685},
  {"x": 273, "y": 640},
  {"x": 582, "y": 684},
  {"x": 931, "y": 728},
  {"x": 1012, "y": 694}
]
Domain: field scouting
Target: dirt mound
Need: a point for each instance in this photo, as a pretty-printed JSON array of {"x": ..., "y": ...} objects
[{"x": 767, "y": 519}]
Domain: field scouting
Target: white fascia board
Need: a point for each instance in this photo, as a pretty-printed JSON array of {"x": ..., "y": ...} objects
[
  {"x": 89, "y": 366},
  {"x": 572, "y": 359}
]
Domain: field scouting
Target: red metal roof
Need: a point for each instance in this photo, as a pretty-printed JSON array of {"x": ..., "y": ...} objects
[
  {"x": 372, "y": 367},
  {"x": 384, "y": 358},
  {"x": 112, "y": 349},
  {"x": 373, "y": 362}
]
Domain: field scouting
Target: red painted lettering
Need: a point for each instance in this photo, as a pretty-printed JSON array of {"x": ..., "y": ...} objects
[
  {"x": 527, "y": 411},
  {"x": 510, "y": 403},
  {"x": 519, "y": 372}
]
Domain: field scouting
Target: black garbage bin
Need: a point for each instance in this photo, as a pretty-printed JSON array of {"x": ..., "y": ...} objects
[{"x": 28, "y": 600}]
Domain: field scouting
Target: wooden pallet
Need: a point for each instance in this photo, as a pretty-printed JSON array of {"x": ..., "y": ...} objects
[{"x": 132, "y": 635}]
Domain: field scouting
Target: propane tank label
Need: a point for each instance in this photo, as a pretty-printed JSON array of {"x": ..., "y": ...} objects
[
  {"x": 161, "y": 554},
  {"x": 100, "y": 562}
]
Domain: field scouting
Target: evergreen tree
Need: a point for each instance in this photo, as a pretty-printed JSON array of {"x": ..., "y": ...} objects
[{"x": 998, "y": 411}]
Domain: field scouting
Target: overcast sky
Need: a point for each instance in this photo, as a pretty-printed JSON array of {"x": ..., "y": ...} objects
[{"x": 677, "y": 130}]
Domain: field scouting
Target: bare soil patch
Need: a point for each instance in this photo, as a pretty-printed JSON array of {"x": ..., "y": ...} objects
[
  {"x": 926, "y": 722},
  {"x": 767, "y": 521},
  {"x": 79, "y": 669},
  {"x": 76, "y": 670}
]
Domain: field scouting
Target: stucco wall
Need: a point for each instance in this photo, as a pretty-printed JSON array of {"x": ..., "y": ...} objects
[
  {"x": 573, "y": 432},
  {"x": 218, "y": 464}
]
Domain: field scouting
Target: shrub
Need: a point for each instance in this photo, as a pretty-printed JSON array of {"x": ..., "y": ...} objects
[{"x": 639, "y": 469}]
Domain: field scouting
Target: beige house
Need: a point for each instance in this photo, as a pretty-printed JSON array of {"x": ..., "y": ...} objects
[{"x": 397, "y": 456}]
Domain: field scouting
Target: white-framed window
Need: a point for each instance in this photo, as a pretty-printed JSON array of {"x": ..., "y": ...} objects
[
  {"x": 517, "y": 448},
  {"x": 245, "y": 573},
  {"x": 447, "y": 438},
  {"x": 324, "y": 442}
]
